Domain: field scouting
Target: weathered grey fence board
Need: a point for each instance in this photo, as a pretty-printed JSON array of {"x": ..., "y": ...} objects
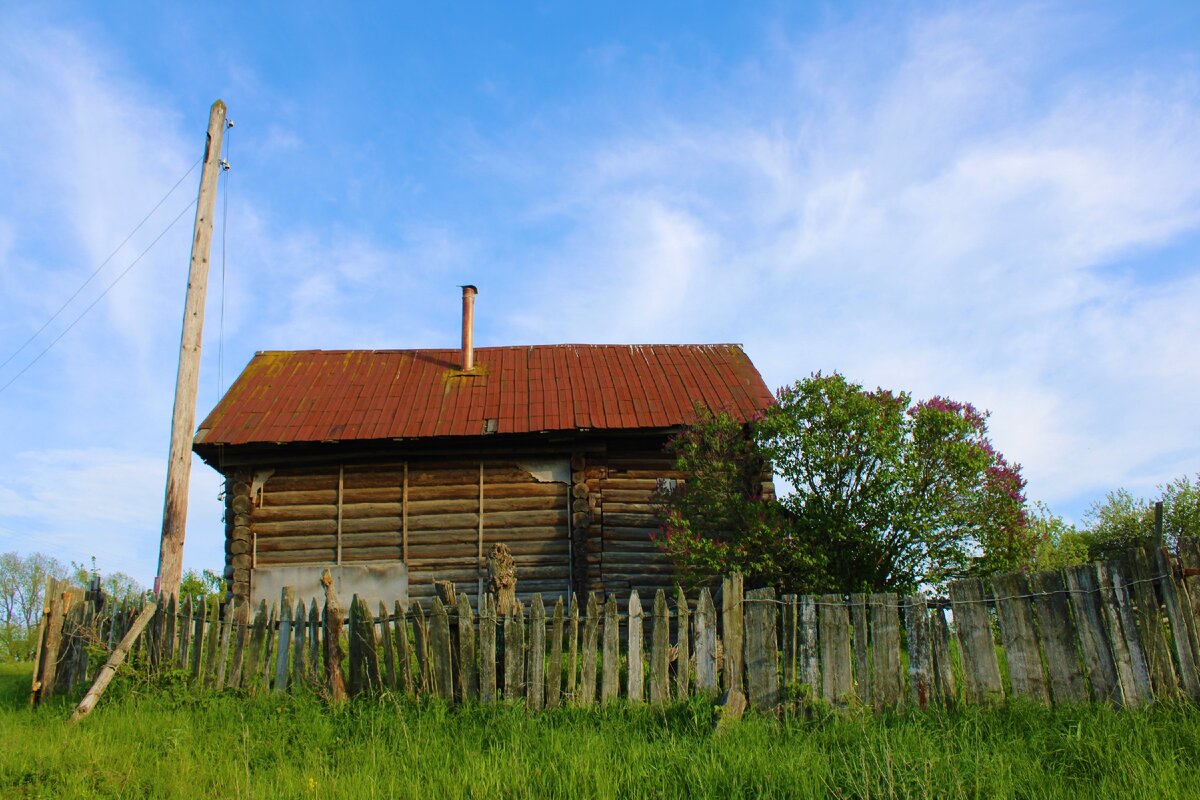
[
  {"x": 388, "y": 648},
  {"x": 731, "y": 627},
  {"x": 587, "y": 679},
  {"x": 943, "y": 668},
  {"x": 441, "y": 649},
  {"x": 1058, "y": 637},
  {"x": 610, "y": 666},
  {"x": 683, "y": 655},
  {"x": 1084, "y": 593},
  {"x": 554, "y": 657},
  {"x": 535, "y": 693},
  {"x": 808, "y": 655},
  {"x": 197, "y": 647},
  {"x": 283, "y": 648},
  {"x": 267, "y": 668},
  {"x": 762, "y": 648},
  {"x": 400, "y": 636},
  {"x": 920, "y": 656},
  {"x": 1132, "y": 673},
  {"x": 862, "y": 653},
  {"x": 572, "y": 678},
  {"x": 1149, "y": 623},
  {"x": 837, "y": 683},
  {"x": 514, "y": 653},
  {"x": 1015, "y": 614},
  {"x": 314, "y": 643},
  {"x": 1177, "y": 616},
  {"x": 787, "y": 638},
  {"x": 467, "y": 671},
  {"x": 659, "y": 656},
  {"x": 635, "y": 674},
  {"x": 258, "y": 635},
  {"x": 487, "y": 650},
  {"x": 885, "y": 650},
  {"x": 706, "y": 642},
  {"x": 981, "y": 670},
  {"x": 421, "y": 645}
]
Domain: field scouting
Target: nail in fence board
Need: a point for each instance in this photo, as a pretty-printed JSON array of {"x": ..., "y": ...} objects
[
  {"x": 862, "y": 654},
  {"x": 837, "y": 684},
  {"x": 1015, "y": 614},
  {"x": 943, "y": 669},
  {"x": 536, "y": 682},
  {"x": 635, "y": 675},
  {"x": 487, "y": 649},
  {"x": 554, "y": 657},
  {"x": 762, "y": 649},
  {"x": 1177, "y": 615},
  {"x": 885, "y": 650},
  {"x": 611, "y": 658},
  {"x": 731, "y": 627},
  {"x": 1149, "y": 624},
  {"x": 683, "y": 655},
  {"x": 1058, "y": 637},
  {"x": 441, "y": 650},
  {"x": 660, "y": 691},
  {"x": 807, "y": 642},
  {"x": 920, "y": 657},
  {"x": 981, "y": 670},
  {"x": 1084, "y": 593},
  {"x": 1132, "y": 670},
  {"x": 587, "y": 679},
  {"x": 468, "y": 676}
]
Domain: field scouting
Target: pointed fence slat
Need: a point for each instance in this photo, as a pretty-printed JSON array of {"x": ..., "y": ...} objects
[
  {"x": 331, "y": 637},
  {"x": 591, "y": 632},
  {"x": 981, "y": 669},
  {"x": 212, "y": 642},
  {"x": 314, "y": 643},
  {"x": 635, "y": 677},
  {"x": 554, "y": 657},
  {"x": 269, "y": 654},
  {"x": 610, "y": 667},
  {"x": 536, "y": 684},
  {"x": 683, "y": 655},
  {"x": 1084, "y": 594},
  {"x": 660, "y": 691},
  {"x": 1057, "y": 635},
  {"x": 240, "y": 643},
  {"x": 762, "y": 649},
  {"x": 706, "y": 643},
  {"x": 197, "y": 646},
  {"x": 487, "y": 649},
  {"x": 185, "y": 633}
]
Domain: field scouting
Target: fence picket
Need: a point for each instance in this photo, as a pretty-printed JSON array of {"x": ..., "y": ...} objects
[
  {"x": 683, "y": 655},
  {"x": 920, "y": 657},
  {"x": 1133, "y": 675},
  {"x": 388, "y": 647},
  {"x": 587, "y": 677},
  {"x": 400, "y": 636},
  {"x": 837, "y": 684},
  {"x": 981, "y": 670},
  {"x": 1149, "y": 623},
  {"x": 421, "y": 645},
  {"x": 610, "y": 666},
  {"x": 1015, "y": 614},
  {"x": 554, "y": 657},
  {"x": 885, "y": 650},
  {"x": 787, "y": 637},
  {"x": 762, "y": 649},
  {"x": 1084, "y": 592},
  {"x": 441, "y": 650},
  {"x": 808, "y": 655},
  {"x": 283, "y": 649},
  {"x": 227, "y": 633},
  {"x": 862, "y": 654},
  {"x": 467, "y": 669},
  {"x": 258, "y": 635},
  {"x": 635, "y": 676},
  {"x": 706, "y": 643},
  {"x": 241, "y": 640},
  {"x": 573, "y": 652},
  {"x": 1177, "y": 616},
  {"x": 943, "y": 669},
  {"x": 1058, "y": 637},
  {"x": 659, "y": 651},
  {"x": 535, "y": 691},
  {"x": 731, "y": 627}
]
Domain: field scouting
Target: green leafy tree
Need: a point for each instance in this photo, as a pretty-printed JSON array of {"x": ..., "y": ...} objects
[
  {"x": 899, "y": 493},
  {"x": 197, "y": 585},
  {"x": 1058, "y": 543},
  {"x": 1121, "y": 520}
]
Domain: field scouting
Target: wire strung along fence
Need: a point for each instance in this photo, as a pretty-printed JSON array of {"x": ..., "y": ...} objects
[{"x": 1122, "y": 632}]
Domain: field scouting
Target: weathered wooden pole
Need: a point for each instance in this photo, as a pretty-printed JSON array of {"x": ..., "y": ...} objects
[
  {"x": 183, "y": 418},
  {"x": 114, "y": 663}
]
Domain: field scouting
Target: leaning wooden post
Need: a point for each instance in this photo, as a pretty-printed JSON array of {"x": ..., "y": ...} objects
[
  {"x": 114, "y": 663},
  {"x": 335, "y": 683},
  {"x": 183, "y": 418}
]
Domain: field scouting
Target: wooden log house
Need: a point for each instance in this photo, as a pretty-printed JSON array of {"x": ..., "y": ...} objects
[{"x": 406, "y": 466}]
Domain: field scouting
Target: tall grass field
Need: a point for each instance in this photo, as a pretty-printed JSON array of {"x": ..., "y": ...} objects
[{"x": 157, "y": 740}]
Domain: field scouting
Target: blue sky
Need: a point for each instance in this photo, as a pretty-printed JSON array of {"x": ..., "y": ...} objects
[{"x": 995, "y": 202}]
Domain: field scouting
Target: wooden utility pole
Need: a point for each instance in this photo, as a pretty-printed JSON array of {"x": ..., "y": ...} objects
[{"x": 183, "y": 419}]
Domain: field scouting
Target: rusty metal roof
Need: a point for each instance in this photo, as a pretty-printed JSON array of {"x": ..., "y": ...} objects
[{"x": 339, "y": 395}]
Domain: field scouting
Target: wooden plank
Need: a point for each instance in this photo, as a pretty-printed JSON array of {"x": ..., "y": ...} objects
[
  {"x": 706, "y": 644},
  {"x": 554, "y": 657},
  {"x": 1015, "y": 614},
  {"x": 635, "y": 676},
  {"x": 887, "y": 680},
  {"x": 920, "y": 655},
  {"x": 196, "y": 634},
  {"x": 185, "y": 633},
  {"x": 1133, "y": 674},
  {"x": 1083, "y": 590},
  {"x": 591, "y": 628},
  {"x": 731, "y": 619},
  {"x": 837, "y": 682},
  {"x": 1056, "y": 633},
  {"x": 226, "y": 643},
  {"x": 425, "y": 683},
  {"x": 1149, "y": 619},
  {"x": 331, "y": 637},
  {"x": 212, "y": 642},
  {"x": 660, "y": 691},
  {"x": 683, "y": 658},
  {"x": 400, "y": 637},
  {"x": 513, "y": 662},
  {"x": 1189, "y": 557},
  {"x": 441, "y": 651},
  {"x": 287, "y": 601},
  {"x": 301, "y": 667},
  {"x": 241, "y": 640},
  {"x": 268, "y": 663},
  {"x": 787, "y": 638},
  {"x": 536, "y": 680},
  {"x": 389, "y": 649},
  {"x": 571, "y": 688},
  {"x": 981, "y": 669},
  {"x": 487, "y": 650},
  {"x": 170, "y": 634},
  {"x": 611, "y": 656},
  {"x": 943, "y": 669},
  {"x": 1178, "y": 612},
  {"x": 762, "y": 648},
  {"x": 808, "y": 661},
  {"x": 468, "y": 671},
  {"x": 862, "y": 654},
  {"x": 258, "y": 636}
]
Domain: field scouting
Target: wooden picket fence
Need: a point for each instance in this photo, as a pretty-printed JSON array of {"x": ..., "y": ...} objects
[{"x": 1122, "y": 632}]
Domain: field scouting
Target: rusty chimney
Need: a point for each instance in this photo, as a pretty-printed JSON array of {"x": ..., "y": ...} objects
[{"x": 468, "y": 328}]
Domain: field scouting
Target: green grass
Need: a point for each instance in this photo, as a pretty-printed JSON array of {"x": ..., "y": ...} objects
[{"x": 144, "y": 741}]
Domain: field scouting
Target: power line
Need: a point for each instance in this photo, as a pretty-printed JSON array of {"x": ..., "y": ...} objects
[
  {"x": 103, "y": 264},
  {"x": 92, "y": 305}
]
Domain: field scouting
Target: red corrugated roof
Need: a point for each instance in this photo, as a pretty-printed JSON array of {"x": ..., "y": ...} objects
[{"x": 337, "y": 395}]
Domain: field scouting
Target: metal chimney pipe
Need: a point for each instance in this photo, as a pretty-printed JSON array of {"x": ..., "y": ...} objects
[{"x": 468, "y": 328}]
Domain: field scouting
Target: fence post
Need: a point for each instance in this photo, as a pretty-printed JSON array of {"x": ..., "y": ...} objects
[
  {"x": 554, "y": 658},
  {"x": 634, "y": 666},
  {"x": 659, "y": 656},
  {"x": 980, "y": 667},
  {"x": 706, "y": 643},
  {"x": 468, "y": 677},
  {"x": 762, "y": 650},
  {"x": 731, "y": 627},
  {"x": 283, "y": 650},
  {"x": 487, "y": 649},
  {"x": 335, "y": 683},
  {"x": 536, "y": 683},
  {"x": 611, "y": 660},
  {"x": 920, "y": 659}
]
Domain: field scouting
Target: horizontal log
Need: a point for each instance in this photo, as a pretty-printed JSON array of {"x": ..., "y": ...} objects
[
  {"x": 323, "y": 556},
  {"x": 634, "y": 560},
  {"x": 274, "y": 513},
  {"x": 490, "y": 536},
  {"x": 630, "y": 520},
  {"x": 372, "y": 525},
  {"x": 630, "y": 532},
  {"x": 370, "y": 510},
  {"x": 629, "y": 508},
  {"x": 628, "y": 484},
  {"x": 492, "y": 505},
  {"x": 370, "y": 539},
  {"x": 302, "y": 498},
  {"x": 316, "y": 526},
  {"x": 558, "y": 547},
  {"x": 631, "y": 546},
  {"x": 389, "y": 494},
  {"x": 277, "y": 544},
  {"x": 443, "y": 477},
  {"x": 642, "y": 496},
  {"x": 371, "y": 553},
  {"x": 301, "y": 483},
  {"x": 647, "y": 472},
  {"x": 462, "y": 491}
]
